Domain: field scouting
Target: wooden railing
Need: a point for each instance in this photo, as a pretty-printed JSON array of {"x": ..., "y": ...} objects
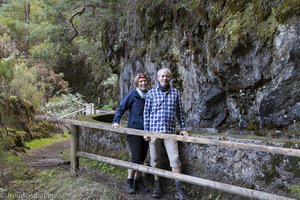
[
  {"x": 76, "y": 154},
  {"x": 88, "y": 109}
]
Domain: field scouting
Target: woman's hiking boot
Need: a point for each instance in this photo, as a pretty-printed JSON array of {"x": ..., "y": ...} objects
[
  {"x": 129, "y": 186},
  {"x": 179, "y": 194},
  {"x": 157, "y": 191}
]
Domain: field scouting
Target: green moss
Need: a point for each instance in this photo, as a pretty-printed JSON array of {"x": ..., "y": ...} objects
[
  {"x": 42, "y": 129},
  {"x": 262, "y": 8},
  {"x": 236, "y": 27},
  {"x": 286, "y": 10},
  {"x": 258, "y": 135},
  {"x": 294, "y": 166},
  {"x": 253, "y": 125},
  {"x": 39, "y": 143},
  {"x": 106, "y": 168},
  {"x": 270, "y": 172},
  {"x": 7, "y": 143},
  {"x": 196, "y": 7},
  {"x": 295, "y": 190},
  {"x": 267, "y": 28},
  {"x": 236, "y": 5}
]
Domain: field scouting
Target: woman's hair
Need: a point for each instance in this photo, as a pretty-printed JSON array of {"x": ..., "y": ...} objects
[{"x": 137, "y": 77}]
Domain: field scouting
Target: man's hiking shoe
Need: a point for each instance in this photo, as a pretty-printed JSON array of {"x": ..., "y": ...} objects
[
  {"x": 179, "y": 194},
  {"x": 139, "y": 185}
]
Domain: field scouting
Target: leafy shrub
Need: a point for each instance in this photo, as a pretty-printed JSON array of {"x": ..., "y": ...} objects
[{"x": 66, "y": 104}]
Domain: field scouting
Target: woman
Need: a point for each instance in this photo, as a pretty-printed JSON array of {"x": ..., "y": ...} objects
[{"x": 134, "y": 102}]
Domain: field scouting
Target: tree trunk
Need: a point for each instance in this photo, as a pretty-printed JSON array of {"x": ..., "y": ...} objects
[{"x": 27, "y": 11}]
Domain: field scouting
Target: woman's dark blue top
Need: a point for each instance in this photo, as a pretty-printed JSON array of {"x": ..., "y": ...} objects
[{"x": 135, "y": 104}]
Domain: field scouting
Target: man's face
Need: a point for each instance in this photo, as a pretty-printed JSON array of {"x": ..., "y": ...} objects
[{"x": 164, "y": 78}]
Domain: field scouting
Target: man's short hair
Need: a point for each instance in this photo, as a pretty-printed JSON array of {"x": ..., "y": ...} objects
[{"x": 164, "y": 69}]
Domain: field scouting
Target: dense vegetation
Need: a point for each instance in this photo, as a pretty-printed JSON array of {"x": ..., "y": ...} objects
[
  {"x": 62, "y": 47},
  {"x": 57, "y": 54},
  {"x": 45, "y": 64}
]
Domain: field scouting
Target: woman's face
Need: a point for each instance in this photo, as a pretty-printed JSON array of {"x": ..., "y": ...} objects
[{"x": 143, "y": 84}]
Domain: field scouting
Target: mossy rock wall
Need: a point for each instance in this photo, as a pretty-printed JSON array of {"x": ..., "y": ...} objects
[{"x": 236, "y": 62}]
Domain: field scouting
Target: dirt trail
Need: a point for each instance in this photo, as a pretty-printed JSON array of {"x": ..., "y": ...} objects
[
  {"x": 48, "y": 156},
  {"x": 51, "y": 156}
]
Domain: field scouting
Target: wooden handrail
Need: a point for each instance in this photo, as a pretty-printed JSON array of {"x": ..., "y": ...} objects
[
  {"x": 227, "y": 144},
  {"x": 77, "y": 111},
  {"x": 186, "y": 178}
]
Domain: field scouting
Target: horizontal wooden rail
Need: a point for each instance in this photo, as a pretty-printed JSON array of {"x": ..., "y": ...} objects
[
  {"x": 77, "y": 111},
  {"x": 227, "y": 144},
  {"x": 186, "y": 178}
]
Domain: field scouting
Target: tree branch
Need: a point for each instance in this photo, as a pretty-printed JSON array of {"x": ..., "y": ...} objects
[{"x": 71, "y": 21}]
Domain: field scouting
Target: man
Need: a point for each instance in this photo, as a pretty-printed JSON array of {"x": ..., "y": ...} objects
[{"x": 163, "y": 105}]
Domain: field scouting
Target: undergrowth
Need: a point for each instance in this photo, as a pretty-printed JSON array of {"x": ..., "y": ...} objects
[
  {"x": 42, "y": 142},
  {"x": 24, "y": 182}
]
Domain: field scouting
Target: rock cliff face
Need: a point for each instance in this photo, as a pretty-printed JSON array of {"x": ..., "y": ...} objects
[{"x": 236, "y": 62}]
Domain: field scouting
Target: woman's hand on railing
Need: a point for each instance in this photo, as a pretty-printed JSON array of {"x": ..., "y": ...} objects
[
  {"x": 147, "y": 138},
  {"x": 116, "y": 125}
]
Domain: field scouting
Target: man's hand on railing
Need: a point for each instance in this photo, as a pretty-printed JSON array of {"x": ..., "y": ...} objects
[
  {"x": 116, "y": 125},
  {"x": 184, "y": 133}
]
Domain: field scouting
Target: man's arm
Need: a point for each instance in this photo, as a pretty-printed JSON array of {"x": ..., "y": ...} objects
[
  {"x": 180, "y": 116},
  {"x": 147, "y": 111}
]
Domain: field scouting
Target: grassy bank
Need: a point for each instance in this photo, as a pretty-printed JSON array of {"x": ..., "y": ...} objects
[{"x": 21, "y": 181}]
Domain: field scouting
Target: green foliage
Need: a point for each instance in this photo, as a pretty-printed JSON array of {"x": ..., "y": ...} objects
[
  {"x": 43, "y": 129},
  {"x": 39, "y": 143},
  {"x": 61, "y": 106},
  {"x": 6, "y": 70},
  {"x": 111, "y": 105},
  {"x": 16, "y": 112},
  {"x": 61, "y": 185},
  {"x": 104, "y": 167},
  {"x": 6, "y": 76},
  {"x": 111, "y": 81},
  {"x": 23, "y": 84},
  {"x": 46, "y": 38},
  {"x": 7, "y": 46},
  {"x": 42, "y": 51},
  {"x": 12, "y": 18}
]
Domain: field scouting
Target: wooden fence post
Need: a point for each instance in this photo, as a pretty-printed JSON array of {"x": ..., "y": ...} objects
[{"x": 74, "y": 148}]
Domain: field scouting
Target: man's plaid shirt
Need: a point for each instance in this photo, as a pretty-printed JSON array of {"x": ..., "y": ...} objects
[{"x": 161, "y": 111}]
